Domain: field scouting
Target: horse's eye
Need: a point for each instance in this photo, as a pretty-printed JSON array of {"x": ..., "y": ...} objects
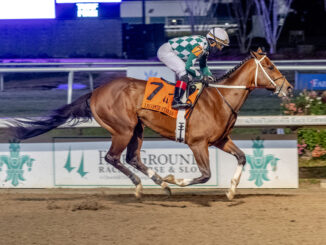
[{"x": 271, "y": 67}]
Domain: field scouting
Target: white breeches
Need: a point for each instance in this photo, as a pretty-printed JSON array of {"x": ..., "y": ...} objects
[{"x": 171, "y": 60}]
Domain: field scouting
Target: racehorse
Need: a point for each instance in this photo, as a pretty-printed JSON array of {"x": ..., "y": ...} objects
[{"x": 116, "y": 106}]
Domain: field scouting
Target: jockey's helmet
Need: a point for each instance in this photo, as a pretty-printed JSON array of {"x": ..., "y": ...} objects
[{"x": 219, "y": 36}]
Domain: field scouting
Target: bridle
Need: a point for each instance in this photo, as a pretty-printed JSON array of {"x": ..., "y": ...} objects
[{"x": 278, "y": 89}]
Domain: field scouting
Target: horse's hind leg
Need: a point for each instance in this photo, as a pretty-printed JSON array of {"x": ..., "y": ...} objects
[
  {"x": 119, "y": 143},
  {"x": 133, "y": 158},
  {"x": 201, "y": 155}
]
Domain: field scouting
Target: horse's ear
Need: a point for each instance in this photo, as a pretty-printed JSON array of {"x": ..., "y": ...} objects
[
  {"x": 253, "y": 54},
  {"x": 259, "y": 50}
]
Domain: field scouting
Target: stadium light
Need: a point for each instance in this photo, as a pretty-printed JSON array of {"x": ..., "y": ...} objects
[
  {"x": 31, "y": 9},
  {"x": 87, "y": 9}
]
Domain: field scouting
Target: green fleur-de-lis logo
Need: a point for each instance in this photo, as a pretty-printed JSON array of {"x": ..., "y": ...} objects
[
  {"x": 69, "y": 167},
  {"x": 15, "y": 163},
  {"x": 259, "y": 162}
]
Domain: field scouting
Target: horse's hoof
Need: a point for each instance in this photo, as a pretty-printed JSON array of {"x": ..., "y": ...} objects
[
  {"x": 166, "y": 188},
  {"x": 168, "y": 191},
  {"x": 169, "y": 179},
  {"x": 139, "y": 191},
  {"x": 230, "y": 195}
]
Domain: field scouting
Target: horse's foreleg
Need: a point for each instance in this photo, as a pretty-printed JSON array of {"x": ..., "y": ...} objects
[
  {"x": 113, "y": 158},
  {"x": 228, "y": 146},
  {"x": 133, "y": 158},
  {"x": 202, "y": 158}
]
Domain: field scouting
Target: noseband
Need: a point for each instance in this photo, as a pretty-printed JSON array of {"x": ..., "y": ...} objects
[{"x": 278, "y": 89}]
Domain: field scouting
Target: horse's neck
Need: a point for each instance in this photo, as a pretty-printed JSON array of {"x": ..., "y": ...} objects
[{"x": 241, "y": 77}]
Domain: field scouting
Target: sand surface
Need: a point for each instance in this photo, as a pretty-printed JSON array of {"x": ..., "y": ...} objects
[{"x": 111, "y": 216}]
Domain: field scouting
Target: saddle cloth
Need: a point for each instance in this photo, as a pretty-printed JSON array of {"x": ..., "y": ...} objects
[{"x": 159, "y": 96}]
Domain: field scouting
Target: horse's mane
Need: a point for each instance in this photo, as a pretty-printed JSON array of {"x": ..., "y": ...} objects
[{"x": 228, "y": 73}]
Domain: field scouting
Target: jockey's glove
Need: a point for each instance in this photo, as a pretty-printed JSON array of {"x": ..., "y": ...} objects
[
  {"x": 208, "y": 79},
  {"x": 185, "y": 78}
]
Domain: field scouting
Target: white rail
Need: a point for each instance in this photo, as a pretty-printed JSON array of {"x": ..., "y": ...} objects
[
  {"x": 242, "y": 121},
  {"x": 131, "y": 63},
  {"x": 226, "y": 65},
  {"x": 124, "y": 68},
  {"x": 70, "y": 72}
]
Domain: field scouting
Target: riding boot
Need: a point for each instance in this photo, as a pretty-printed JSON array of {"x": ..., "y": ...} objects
[{"x": 180, "y": 89}]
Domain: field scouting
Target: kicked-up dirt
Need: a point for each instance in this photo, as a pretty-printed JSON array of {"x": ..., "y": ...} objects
[{"x": 114, "y": 216}]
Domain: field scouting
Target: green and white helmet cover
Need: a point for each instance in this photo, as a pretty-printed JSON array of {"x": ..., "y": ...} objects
[{"x": 219, "y": 35}]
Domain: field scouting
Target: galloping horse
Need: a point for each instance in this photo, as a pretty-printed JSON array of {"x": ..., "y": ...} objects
[{"x": 116, "y": 106}]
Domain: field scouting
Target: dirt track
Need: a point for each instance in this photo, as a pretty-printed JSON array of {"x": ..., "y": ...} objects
[{"x": 105, "y": 216}]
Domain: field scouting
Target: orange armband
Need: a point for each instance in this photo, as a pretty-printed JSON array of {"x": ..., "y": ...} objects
[{"x": 197, "y": 50}]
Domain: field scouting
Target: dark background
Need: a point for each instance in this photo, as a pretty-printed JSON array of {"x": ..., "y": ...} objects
[{"x": 109, "y": 37}]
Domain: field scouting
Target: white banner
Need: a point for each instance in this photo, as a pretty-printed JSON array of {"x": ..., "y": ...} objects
[
  {"x": 145, "y": 72},
  {"x": 270, "y": 164}
]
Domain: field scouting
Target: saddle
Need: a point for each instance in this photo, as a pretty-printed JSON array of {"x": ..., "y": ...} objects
[{"x": 159, "y": 96}]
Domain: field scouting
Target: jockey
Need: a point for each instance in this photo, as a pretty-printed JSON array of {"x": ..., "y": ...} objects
[{"x": 181, "y": 53}]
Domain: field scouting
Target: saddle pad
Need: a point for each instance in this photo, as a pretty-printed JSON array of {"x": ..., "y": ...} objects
[{"x": 159, "y": 96}]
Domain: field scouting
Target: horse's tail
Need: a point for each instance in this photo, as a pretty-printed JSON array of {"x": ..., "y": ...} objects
[{"x": 74, "y": 113}]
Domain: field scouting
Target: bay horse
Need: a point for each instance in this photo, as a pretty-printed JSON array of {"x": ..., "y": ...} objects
[{"x": 116, "y": 106}]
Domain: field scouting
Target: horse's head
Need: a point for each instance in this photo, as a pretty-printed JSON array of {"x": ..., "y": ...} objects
[{"x": 268, "y": 76}]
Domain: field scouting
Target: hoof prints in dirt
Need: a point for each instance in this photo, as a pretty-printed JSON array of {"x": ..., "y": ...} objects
[{"x": 85, "y": 205}]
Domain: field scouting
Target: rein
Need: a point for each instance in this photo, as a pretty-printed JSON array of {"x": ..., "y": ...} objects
[
  {"x": 227, "y": 86},
  {"x": 258, "y": 64}
]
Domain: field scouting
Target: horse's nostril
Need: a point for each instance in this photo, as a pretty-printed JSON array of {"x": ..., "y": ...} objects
[{"x": 290, "y": 90}]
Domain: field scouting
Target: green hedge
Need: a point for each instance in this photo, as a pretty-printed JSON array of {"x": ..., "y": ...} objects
[{"x": 312, "y": 137}]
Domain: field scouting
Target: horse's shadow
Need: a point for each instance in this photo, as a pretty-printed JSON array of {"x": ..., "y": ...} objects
[{"x": 185, "y": 199}]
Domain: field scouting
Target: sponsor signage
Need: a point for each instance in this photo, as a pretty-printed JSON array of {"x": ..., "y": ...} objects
[
  {"x": 270, "y": 164},
  {"x": 310, "y": 81},
  {"x": 145, "y": 72}
]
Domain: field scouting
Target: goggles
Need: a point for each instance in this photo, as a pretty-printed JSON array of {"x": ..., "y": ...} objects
[{"x": 214, "y": 43}]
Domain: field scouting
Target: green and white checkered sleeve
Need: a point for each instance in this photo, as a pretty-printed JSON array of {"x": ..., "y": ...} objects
[
  {"x": 203, "y": 66},
  {"x": 190, "y": 66}
]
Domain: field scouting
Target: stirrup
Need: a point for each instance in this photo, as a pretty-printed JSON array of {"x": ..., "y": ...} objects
[{"x": 181, "y": 105}]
